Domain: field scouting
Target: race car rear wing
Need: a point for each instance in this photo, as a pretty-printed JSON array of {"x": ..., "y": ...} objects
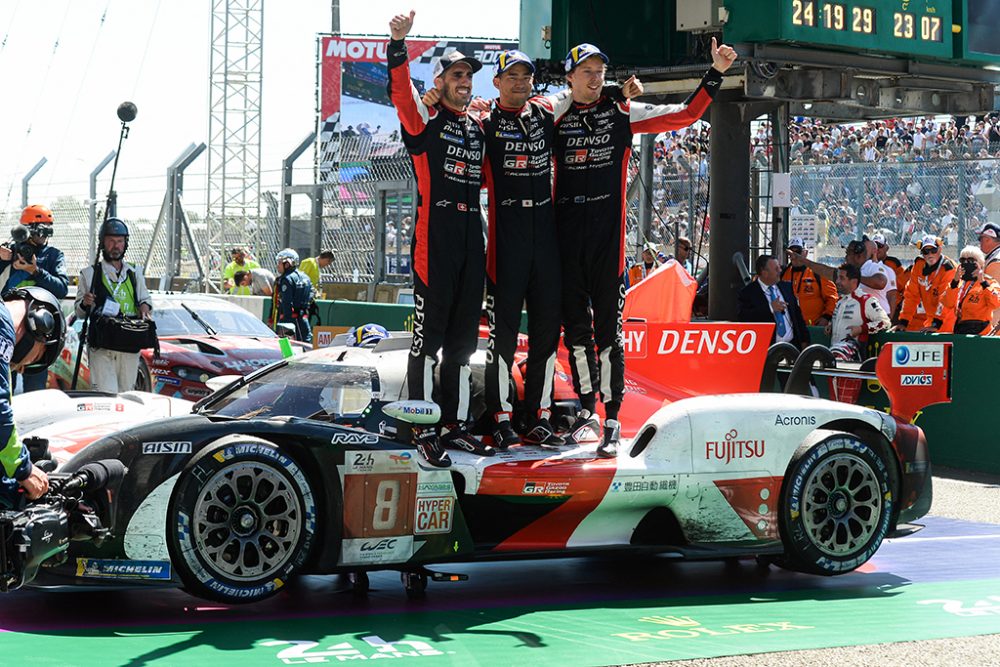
[{"x": 914, "y": 375}]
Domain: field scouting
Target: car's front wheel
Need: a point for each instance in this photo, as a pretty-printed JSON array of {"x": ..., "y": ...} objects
[
  {"x": 241, "y": 521},
  {"x": 837, "y": 504}
]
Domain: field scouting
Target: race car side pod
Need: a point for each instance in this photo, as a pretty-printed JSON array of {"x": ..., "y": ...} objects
[
  {"x": 777, "y": 353},
  {"x": 800, "y": 379}
]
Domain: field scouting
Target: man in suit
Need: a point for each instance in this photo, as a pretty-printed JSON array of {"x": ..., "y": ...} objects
[{"x": 769, "y": 300}]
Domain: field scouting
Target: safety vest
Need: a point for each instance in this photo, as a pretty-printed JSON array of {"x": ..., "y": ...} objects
[{"x": 123, "y": 292}]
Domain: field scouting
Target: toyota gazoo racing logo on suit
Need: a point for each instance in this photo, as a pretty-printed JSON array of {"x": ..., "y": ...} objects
[{"x": 923, "y": 355}]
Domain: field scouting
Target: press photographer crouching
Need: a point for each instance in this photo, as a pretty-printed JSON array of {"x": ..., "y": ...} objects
[
  {"x": 33, "y": 262},
  {"x": 118, "y": 306},
  {"x": 32, "y": 329}
]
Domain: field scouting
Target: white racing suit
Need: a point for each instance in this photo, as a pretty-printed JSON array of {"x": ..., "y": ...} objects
[{"x": 852, "y": 310}]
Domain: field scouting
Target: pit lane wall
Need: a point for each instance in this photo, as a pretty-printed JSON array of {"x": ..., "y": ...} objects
[{"x": 960, "y": 434}]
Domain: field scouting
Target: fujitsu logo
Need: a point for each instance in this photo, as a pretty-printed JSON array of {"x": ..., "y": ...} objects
[{"x": 730, "y": 447}]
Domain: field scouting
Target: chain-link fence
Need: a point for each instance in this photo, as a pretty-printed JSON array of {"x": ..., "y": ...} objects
[
  {"x": 369, "y": 201},
  {"x": 904, "y": 201}
]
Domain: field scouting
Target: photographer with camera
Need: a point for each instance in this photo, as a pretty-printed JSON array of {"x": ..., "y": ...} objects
[
  {"x": 32, "y": 261},
  {"x": 119, "y": 308},
  {"x": 972, "y": 294},
  {"x": 32, "y": 329}
]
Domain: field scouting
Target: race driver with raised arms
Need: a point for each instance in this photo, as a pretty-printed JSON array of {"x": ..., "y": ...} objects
[
  {"x": 593, "y": 143},
  {"x": 522, "y": 251},
  {"x": 446, "y": 146}
]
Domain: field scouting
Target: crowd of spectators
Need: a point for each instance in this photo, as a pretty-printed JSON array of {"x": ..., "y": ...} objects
[{"x": 903, "y": 178}]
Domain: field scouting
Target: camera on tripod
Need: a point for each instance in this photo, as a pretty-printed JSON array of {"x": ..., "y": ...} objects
[{"x": 19, "y": 245}]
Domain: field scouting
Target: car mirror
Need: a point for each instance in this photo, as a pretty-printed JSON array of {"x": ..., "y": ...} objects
[{"x": 413, "y": 412}]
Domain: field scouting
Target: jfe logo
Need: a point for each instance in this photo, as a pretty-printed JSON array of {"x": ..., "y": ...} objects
[{"x": 927, "y": 355}]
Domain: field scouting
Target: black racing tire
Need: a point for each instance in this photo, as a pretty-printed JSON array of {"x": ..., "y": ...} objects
[
  {"x": 143, "y": 378},
  {"x": 837, "y": 504},
  {"x": 241, "y": 521}
]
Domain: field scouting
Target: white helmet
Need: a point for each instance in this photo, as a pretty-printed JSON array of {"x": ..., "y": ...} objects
[{"x": 287, "y": 255}]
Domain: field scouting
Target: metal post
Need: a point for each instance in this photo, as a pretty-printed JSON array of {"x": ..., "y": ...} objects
[
  {"x": 27, "y": 177},
  {"x": 177, "y": 222},
  {"x": 287, "y": 179},
  {"x": 728, "y": 208},
  {"x": 92, "y": 247},
  {"x": 645, "y": 212},
  {"x": 962, "y": 221},
  {"x": 169, "y": 210},
  {"x": 859, "y": 226},
  {"x": 780, "y": 164}
]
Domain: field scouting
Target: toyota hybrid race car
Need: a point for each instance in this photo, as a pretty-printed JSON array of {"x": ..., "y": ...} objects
[{"x": 298, "y": 469}]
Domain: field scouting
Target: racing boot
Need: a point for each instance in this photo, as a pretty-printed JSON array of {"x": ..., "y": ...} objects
[
  {"x": 608, "y": 449},
  {"x": 457, "y": 436},
  {"x": 504, "y": 436},
  {"x": 427, "y": 443},
  {"x": 585, "y": 429},
  {"x": 543, "y": 435}
]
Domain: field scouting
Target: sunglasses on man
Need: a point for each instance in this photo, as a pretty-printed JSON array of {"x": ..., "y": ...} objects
[{"x": 928, "y": 251}]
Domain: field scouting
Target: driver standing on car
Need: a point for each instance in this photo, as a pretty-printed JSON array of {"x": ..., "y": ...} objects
[
  {"x": 593, "y": 142},
  {"x": 122, "y": 290},
  {"x": 32, "y": 329},
  {"x": 47, "y": 269},
  {"x": 449, "y": 260}
]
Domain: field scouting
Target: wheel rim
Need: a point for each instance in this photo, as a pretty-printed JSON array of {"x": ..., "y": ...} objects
[
  {"x": 842, "y": 505},
  {"x": 247, "y": 521}
]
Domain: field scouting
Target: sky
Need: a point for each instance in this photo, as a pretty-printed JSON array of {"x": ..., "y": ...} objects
[{"x": 66, "y": 65}]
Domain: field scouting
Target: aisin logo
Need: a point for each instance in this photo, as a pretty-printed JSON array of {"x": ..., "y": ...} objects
[{"x": 902, "y": 355}]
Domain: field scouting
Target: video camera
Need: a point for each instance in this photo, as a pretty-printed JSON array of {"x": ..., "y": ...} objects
[
  {"x": 19, "y": 244},
  {"x": 41, "y": 531}
]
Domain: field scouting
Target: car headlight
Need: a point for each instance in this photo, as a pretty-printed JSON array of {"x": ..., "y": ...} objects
[{"x": 193, "y": 374}]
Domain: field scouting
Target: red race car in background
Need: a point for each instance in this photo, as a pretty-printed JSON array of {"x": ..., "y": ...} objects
[{"x": 201, "y": 337}]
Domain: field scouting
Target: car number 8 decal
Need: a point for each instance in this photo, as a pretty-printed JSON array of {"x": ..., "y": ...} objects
[
  {"x": 379, "y": 504},
  {"x": 386, "y": 505}
]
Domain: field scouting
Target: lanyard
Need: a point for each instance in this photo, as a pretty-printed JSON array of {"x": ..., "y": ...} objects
[{"x": 119, "y": 284}]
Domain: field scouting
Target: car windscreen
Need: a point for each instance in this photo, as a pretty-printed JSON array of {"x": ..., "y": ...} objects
[
  {"x": 297, "y": 389},
  {"x": 172, "y": 319}
]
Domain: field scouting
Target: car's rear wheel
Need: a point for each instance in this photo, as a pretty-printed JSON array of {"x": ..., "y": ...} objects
[
  {"x": 143, "y": 378},
  {"x": 241, "y": 521},
  {"x": 837, "y": 504}
]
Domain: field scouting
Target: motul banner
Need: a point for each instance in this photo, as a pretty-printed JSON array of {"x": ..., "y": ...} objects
[{"x": 353, "y": 77}]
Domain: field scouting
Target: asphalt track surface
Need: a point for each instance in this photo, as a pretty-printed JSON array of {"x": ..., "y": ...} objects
[{"x": 570, "y": 612}]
